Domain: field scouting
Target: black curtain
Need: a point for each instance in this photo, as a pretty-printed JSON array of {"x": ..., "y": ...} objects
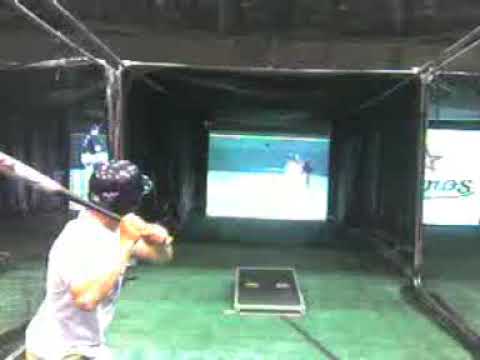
[
  {"x": 38, "y": 107},
  {"x": 167, "y": 140},
  {"x": 372, "y": 161},
  {"x": 375, "y": 178}
]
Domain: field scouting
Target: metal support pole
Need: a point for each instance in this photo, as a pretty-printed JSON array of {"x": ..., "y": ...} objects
[
  {"x": 423, "y": 82},
  {"x": 467, "y": 39},
  {"x": 114, "y": 102},
  {"x": 453, "y": 57},
  {"x": 461, "y": 47},
  {"x": 57, "y": 34},
  {"x": 114, "y": 60},
  {"x": 113, "y": 70}
]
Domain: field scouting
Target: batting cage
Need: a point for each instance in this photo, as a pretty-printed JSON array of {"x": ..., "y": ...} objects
[
  {"x": 316, "y": 213},
  {"x": 47, "y": 112}
]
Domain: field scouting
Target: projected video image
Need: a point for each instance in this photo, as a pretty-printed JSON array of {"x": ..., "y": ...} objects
[
  {"x": 452, "y": 178},
  {"x": 86, "y": 149},
  {"x": 267, "y": 177}
]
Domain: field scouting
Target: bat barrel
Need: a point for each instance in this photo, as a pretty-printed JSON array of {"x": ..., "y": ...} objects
[{"x": 14, "y": 168}]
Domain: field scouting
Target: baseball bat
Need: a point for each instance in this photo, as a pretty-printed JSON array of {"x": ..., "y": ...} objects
[{"x": 14, "y": 168}]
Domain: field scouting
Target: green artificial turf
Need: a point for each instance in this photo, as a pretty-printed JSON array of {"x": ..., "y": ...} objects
[{"x": 354, "y": 310}]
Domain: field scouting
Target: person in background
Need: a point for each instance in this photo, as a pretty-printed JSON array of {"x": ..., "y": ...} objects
[
  {"x": 307, "y": 170},
  {"x": 94, "y": 149}
]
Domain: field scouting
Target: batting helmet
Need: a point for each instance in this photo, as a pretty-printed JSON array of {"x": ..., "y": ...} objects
[{"x": 118, "y": 186}]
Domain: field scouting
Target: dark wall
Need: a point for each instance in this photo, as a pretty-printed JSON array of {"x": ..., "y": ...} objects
[
  {"x": 399, "y": 146},
  {"x": 372, "y": 154},
  {"x": 167, "y": 139},
  {"x": 38, "y": 109},
  {"x": 168, "y": 31},
  {"x": 368, "y": 16},
  {"x": 455, "y": 98},
  {"x": 375, "y": 165}
]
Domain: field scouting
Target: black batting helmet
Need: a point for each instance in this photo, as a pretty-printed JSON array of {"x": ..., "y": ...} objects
[{"x": 118, "y": 186}]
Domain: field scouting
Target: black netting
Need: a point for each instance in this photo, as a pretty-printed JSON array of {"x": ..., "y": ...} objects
[{"x": 41, "y": 109}]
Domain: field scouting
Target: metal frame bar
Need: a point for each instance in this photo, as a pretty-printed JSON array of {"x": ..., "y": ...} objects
[
  {"x": 114, "y": 102},
  {"x": 265, "y": 70},
  {"x": 459, "y": 48},
  {"x": 112, "y": 114},
  {"x": 461, "y": 52},
  {"x": 377, "y": 99},
  {"x": 48, "y": 64},
  {"x": 114, "y": 73},
  {"x": 463, "y": 41},
  {"x": 146, "y": 65},
  {"x": 132, "y": 65},
  {"x": 57, "y": 34},
  {"x": 427, "y": 73},
  {"x": 116, "y": 61},
  {"x": 113, "y": 68},
  {"x": 434, "y": 306},
  {"x": 67, "y": 15},
  {"x": 63, "y": 62},
  {"x": 420, "y": 167},
  {"x": 455, "y": 50}
]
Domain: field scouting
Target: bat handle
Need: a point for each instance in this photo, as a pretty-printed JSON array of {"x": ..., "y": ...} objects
[{"x": 91, "y": 206}]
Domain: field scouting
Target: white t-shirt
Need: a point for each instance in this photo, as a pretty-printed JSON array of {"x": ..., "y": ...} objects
[{"x": 85, "y": 250}]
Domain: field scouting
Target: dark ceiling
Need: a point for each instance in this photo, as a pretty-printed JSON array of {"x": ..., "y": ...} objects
[
  {"x": 337, "y": 94},
  {"x": 375, "y": 34},
  {"x": 308, "y": 18}
]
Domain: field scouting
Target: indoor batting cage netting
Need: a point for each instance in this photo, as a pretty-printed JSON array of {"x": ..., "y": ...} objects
[
  {"x": 361, "y": 183},
  {"x": 47, "y": 112}
]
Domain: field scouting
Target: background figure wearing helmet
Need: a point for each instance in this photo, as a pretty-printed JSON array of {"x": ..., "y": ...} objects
[
  {"x": 307, "y": 170},
  {"x": 94, "y": 149},
  {"x": 86, "y": 266}
]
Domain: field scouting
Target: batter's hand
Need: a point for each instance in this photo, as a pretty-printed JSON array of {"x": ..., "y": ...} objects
[
  {"x": 132, "y": 229},
  {"x": 156, "y": 234}
]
